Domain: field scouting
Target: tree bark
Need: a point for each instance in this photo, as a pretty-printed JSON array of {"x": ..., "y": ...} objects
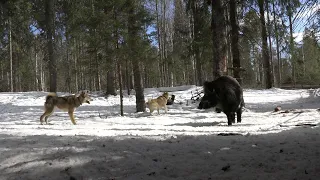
[
  {"x": 235, "y": 41},
  {"x": 120, "y": 87},
  {"x": 128, "y": 77},
  {"x": 76, "y": 80},
  {"x": 278, "y": 46},
  {"x": 270, "y": 43},
  {"x": 68, "y": 79},
  {"x": 218, "y": 28},
  {"x": 291, "y": 49},
  {"x": 49, "y": 14},
  {"x": 133, "y": 33},
  {"x": 97, "y": 71},
  {"x": 118, "y": 61},
  {"x": 159, "y": 37},
  {"x": 164, "y": 45},
  {"x": 36, "y": 73},
  {"x": 11, "y": 61},
  {"x": 111, "y": 90},
  {"x": 196, "y": 40},
  {"x": 265, "y": 52}
]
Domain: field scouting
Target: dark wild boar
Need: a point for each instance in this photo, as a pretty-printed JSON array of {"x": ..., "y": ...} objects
[
  {"x": 171, "y": 100},
  {"x": 226, "y": 95}
]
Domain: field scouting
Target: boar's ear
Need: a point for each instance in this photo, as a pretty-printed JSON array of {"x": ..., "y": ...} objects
[
  {"x": 206, "y": 84},
  {"x": 206, "y": 87}
]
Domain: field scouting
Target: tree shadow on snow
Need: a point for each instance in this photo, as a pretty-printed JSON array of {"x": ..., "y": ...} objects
[
  {"x": 301, "y": 103},
  {"x": 291, "y": 154},
  {"x": 15, "y": 112},
  {"x": 196, "y": 124}
]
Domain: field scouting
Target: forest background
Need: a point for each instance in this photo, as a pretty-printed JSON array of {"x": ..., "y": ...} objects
[{"x": 64, "y": 45}]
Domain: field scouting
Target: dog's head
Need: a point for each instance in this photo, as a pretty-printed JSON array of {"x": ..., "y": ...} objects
[
  {"x": 149, "y": 100},
  {"x": 166, "y": 95},
  {"x": 85, "y": 97}
]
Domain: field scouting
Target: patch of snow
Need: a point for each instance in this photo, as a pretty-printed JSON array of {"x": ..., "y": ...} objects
[{"x": 185, "y": 143}]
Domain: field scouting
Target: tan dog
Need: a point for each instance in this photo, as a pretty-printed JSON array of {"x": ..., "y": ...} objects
[
  {"x": 160, "y": 102},
  {"x": 65, "y": 103}
]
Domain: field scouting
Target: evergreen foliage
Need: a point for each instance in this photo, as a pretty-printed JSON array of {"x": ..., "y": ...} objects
[{"x": 154, "y": 43}]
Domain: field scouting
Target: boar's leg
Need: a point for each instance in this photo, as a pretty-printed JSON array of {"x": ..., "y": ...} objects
[
  {"x": 239, "y": 112},
  {"x": 231, "y": 118}
]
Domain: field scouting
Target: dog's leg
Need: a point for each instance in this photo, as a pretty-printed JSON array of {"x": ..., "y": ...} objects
[
  {"x": 165, "y": 108},
  {"x": 46, "y": 118},
  {"x": 41, "y": 118},
  {"x": 158, "y": 109},
  {"x": 70, "y": 112},
  {"x": 46, "y": 115},
  {"x": 151, "y": 110}
]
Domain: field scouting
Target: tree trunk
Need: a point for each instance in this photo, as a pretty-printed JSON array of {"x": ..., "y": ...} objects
[
  {"x": 164, "y": 45},
  {"x": 195, "y": 44},
  {"x": 133, "y": 33},
  {"x": 97, "y": 70},
  {"x": 76, "y": 56},
  {"x": 117, "y": 59},
  {"x": 218, "y": 28},
  {"x": 270, "y": 43},
  {"x": 278, "y": 46},
  {"x": 96, "y": 76},
  {"x": 128, "y": 77},
  {"x": 235, "y": 41},
  {"x": 120, "y": 87},
  {"x": 42, "y": 77},
  {"x": 265, "y": 52},
  {"x": 36, "y": 73},
  {"x": 193, "y": 74},
  {"x": 68, "y": 79},
  {"x": 229, "y": 59},
  {"x": 291, "y": 49},
  {"x": 111, "y": 90},
  {"x": 49, "y": 14},
  {"x": 11, "y": 61},
  {"x": 159, "y": 45}
]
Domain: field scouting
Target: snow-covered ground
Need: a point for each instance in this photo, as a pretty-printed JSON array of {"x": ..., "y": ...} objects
[{"x": 186, "y": 143}]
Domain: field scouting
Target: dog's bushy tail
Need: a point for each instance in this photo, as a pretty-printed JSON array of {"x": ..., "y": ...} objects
[{"x": 50, "y": 100}]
